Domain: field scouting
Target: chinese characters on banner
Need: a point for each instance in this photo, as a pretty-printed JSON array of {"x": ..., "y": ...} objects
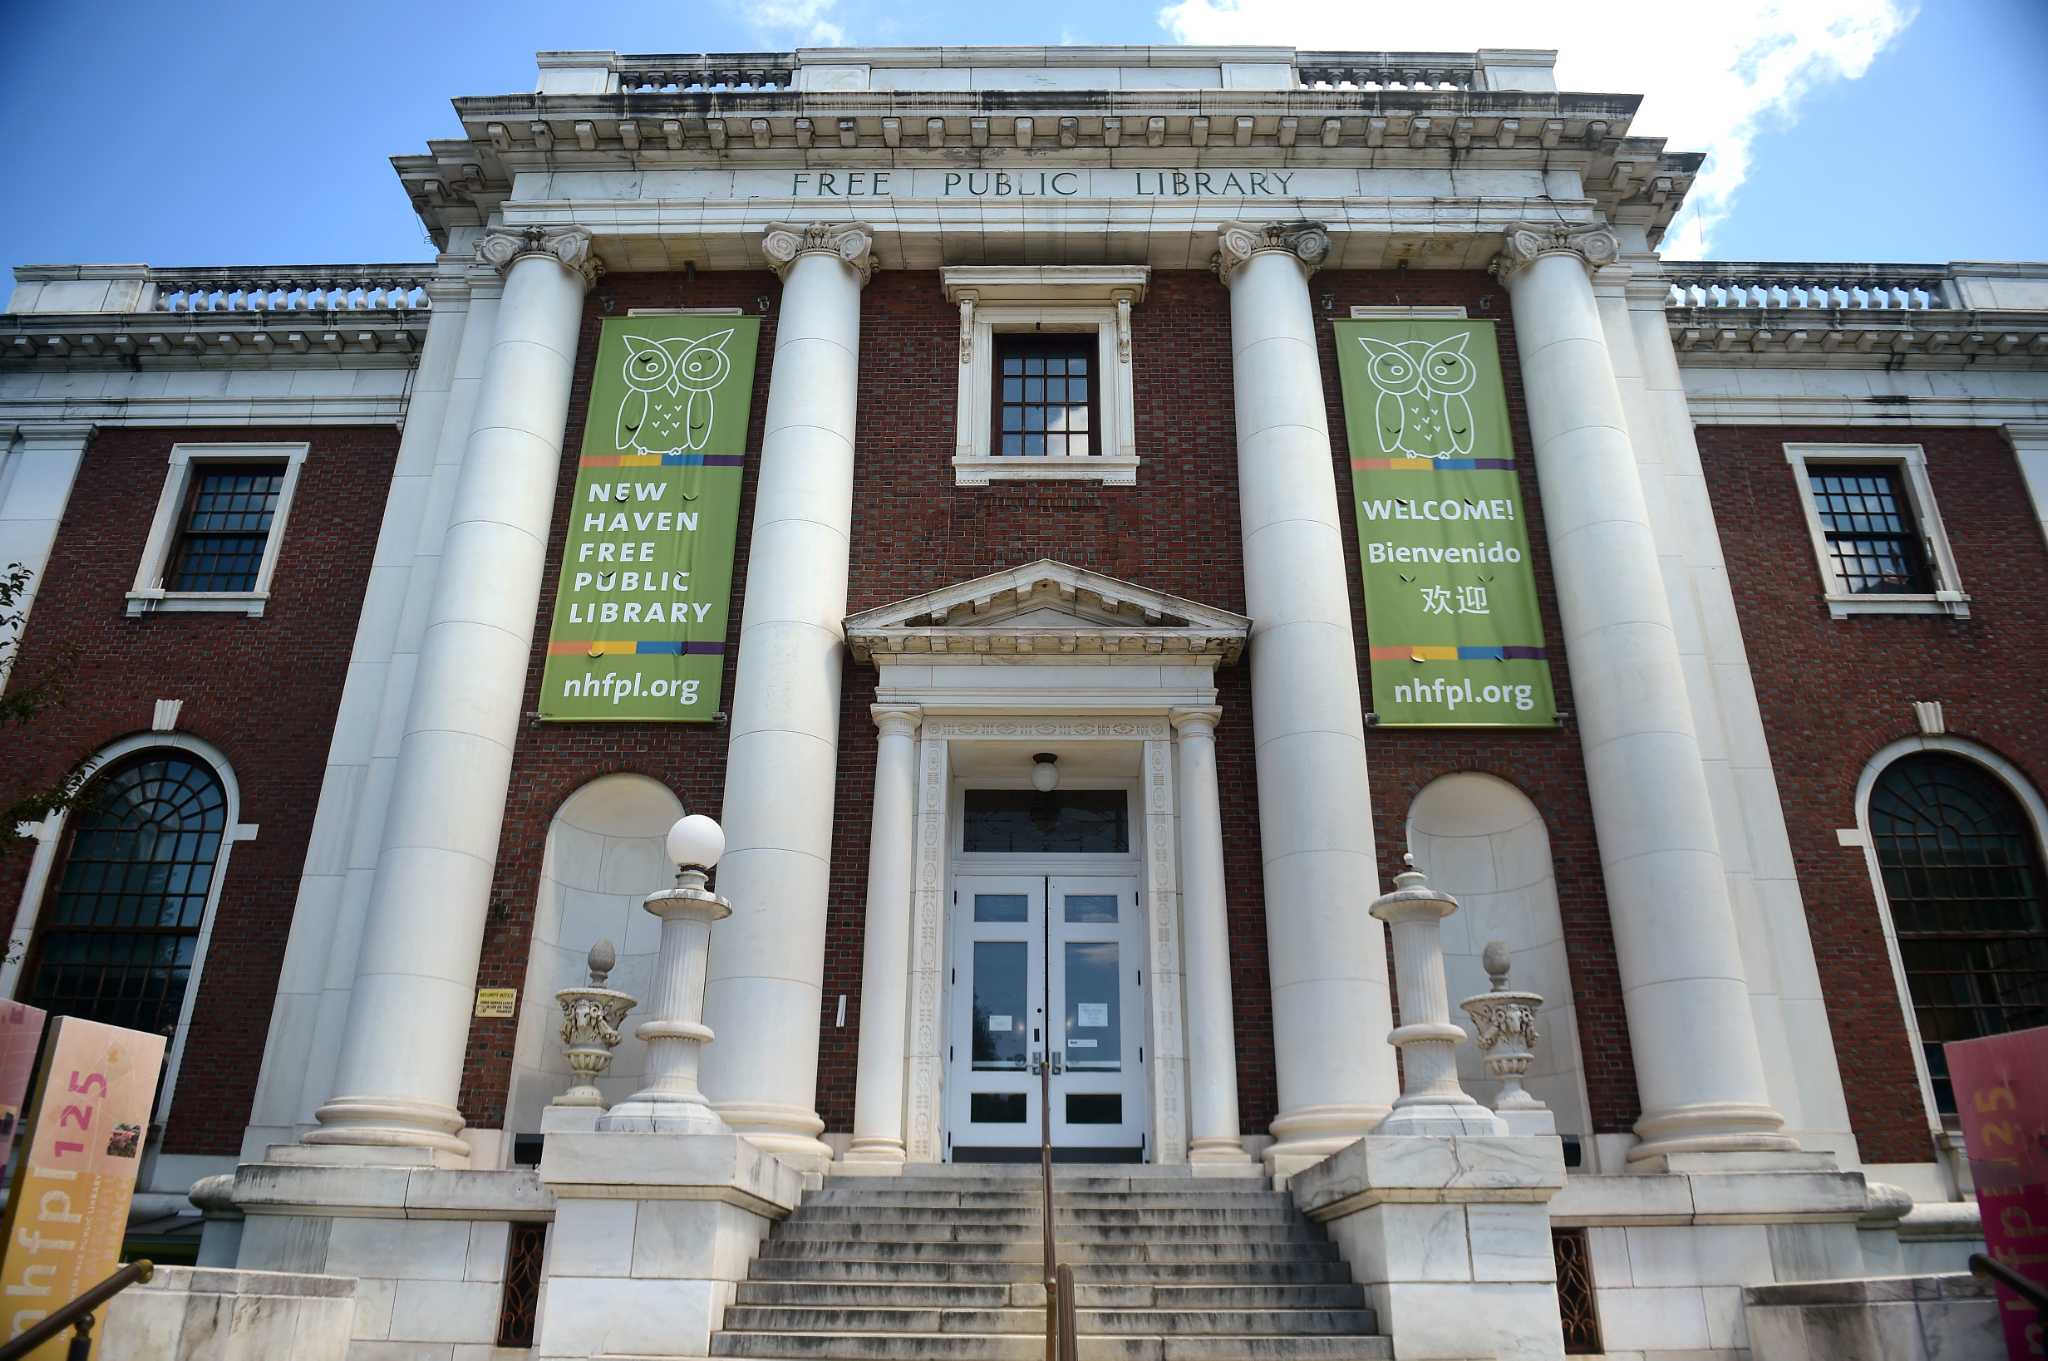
[
  {"x": 1450, "y": 595},
  {"x": 67, "y": 1210},
  {"x": 646, "y": 584},
  {"x": 2001, "y": 1086}
]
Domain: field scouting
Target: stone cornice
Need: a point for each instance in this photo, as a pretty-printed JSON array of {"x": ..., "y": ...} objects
[
  {"x": 240, "y": 340},
  {"x": 1238, "y": 242},
  {"x": 850, "y": 242},
  {"x": 1855, "y": 337},
  {"x": 1523, "y": 246},
  {"x": 568, "y": 247}
]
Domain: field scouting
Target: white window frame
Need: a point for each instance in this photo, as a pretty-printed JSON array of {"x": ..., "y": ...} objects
[
  {"x": 2016, "y": 784},
  {"x": 995, "y": 299},
  {"x": 1948, "y": 596},
  {"x": 148, "y": 595},
  {"x": 49, "y": 839}
]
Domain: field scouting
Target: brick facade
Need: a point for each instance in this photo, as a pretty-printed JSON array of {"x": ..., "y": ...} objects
[
  {"x": 263, "y": 691},
  {"x": 1175, "y": 531},
  {"x": 1836, "y": 691}
]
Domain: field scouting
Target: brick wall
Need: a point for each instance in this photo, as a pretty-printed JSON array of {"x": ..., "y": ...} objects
[
  {"x": 1176, "y": 531},
  {"x": 264, "y": 691},
  {"x": 1836, "y": 691}
]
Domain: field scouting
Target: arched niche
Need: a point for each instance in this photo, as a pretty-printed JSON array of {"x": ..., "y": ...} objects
[
  {"x": 1481, "y": 840},
  {"x": 604, "y": 855}
]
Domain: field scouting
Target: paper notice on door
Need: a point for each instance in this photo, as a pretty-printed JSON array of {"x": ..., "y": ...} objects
[
  {"x": 998, "y": 1023},
  {"x": 1080, "y": 1044},
  {"x": 1093, "y": 1015}
]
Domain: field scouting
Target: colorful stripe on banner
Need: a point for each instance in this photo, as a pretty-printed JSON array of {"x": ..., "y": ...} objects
[
  {"x": 662, "y": 461},
  {"x": 622, "y": 647},
  {"x": 1432, "y": 465},
  {"x": 1421, "y": 653}
]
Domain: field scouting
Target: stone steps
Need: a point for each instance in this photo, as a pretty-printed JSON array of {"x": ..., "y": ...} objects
[
  {"x": 1031, "y": 1347},
  {"x": 1031, "y": 1295},
  {"x": 946, "y": 1265}
]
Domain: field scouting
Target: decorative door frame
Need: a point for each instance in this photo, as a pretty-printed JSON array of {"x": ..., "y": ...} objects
[{"x": 1160, "y": 883}]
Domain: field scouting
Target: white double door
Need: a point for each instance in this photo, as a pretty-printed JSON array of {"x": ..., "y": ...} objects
[{"x": 1047, "y": 968}]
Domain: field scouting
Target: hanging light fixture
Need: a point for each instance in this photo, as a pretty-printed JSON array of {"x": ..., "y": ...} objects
[{"x": 1045, "y": 772}]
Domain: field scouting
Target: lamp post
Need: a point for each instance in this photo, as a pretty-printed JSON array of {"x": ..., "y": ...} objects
[{"x": 675, "y": 1032}]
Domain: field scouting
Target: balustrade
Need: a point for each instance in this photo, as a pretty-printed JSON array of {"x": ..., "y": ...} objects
[
  {"x": 709, "y": 73},
  {"x": 1421, "y": 71},
  {"x": 343, "y": 288},
  {"x": 1871, "y": 288}
]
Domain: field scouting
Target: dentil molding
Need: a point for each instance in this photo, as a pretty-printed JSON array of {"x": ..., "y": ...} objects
[
  {"x": 567, "y": 246},
  {"x": 1523, "y": 246},
  {"x": 852, "y": 242},
  {"x": 1237, "y": 242}
]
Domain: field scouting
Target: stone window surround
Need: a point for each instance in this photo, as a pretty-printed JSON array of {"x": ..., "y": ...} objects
[
  {"x": 1911, "y": 460},
  {"x": 48, "y": 836},
  {"x": 2037, "y": 813},
  {"x": 147, "y": 595},
  {"x": 999, "y": 298}
]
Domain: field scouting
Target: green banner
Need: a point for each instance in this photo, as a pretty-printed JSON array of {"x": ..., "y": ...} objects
[
  {"x": 641, "y": 608},
  {"x": 1450, "y": 595}
]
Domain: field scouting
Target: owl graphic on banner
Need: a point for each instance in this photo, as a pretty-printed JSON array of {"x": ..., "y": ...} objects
[
  {"x": 668, "y": 405},
  {"x": 1422, "y": 411}
]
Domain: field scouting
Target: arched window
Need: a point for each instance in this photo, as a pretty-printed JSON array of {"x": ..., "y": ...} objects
[
  {"x": 116, "y": 938},
  {"x": 1969, "y": 902}
]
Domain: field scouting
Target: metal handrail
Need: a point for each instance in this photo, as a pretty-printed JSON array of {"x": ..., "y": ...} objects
[
  {"x": 1059, "y": 1277},
  {"x": 1981, "y": 1265},
  {"x": 78, "y": 1315}
]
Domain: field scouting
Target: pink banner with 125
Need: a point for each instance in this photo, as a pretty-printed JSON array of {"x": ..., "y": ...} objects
[{"x": 2001, "y": 1086}]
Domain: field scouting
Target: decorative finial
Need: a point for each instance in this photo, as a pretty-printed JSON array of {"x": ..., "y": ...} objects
[
  {"x": 1495, "y": 958},
  {"x": 603, "y": 959}
]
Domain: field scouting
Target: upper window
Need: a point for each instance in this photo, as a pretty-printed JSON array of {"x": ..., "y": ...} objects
[
  {"x": 1969, "y": 903},
  {"x": 225, "y": 527},
  {"x": 218, "y": 529},
  {"x": 1063, "y": 822},
  {"x": 1045, "y": 372},
  {"x": 1876, "y": 533},
  {"x": 1045, "y": 402},
  {"x": 116, "y": 940}
]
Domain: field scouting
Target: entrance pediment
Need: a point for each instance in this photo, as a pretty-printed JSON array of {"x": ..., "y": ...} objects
[{"x": 1047, "y": 608}]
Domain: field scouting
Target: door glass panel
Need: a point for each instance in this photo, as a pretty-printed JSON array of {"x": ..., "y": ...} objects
[
  {"x": 1094, "y": 1108},
  {"x": 1091, "y": 907},
  {"x": 1002, "y": 907},
  {"x": 1065, "y": 822},
  {"x": 1002, "y": 1006},
  {"x": 996, "y": 1108},
  {"x": 1094, "y": 1019}
]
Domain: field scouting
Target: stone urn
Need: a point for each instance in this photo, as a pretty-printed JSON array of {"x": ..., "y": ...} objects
[
  {"x": 591, "y": 1016},
  {"x": 1505, "y": 1022}
]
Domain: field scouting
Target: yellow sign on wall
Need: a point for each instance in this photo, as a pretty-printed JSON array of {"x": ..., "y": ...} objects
[
  {"x": 68, "y": 1208},
  {"x": 495, "y": 1004}
]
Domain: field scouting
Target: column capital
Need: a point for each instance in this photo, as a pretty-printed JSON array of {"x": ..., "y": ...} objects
[
  {"x": 54, "y": 432},
  {"x": 1196, "y": 718},
  {"x": 1595, "y": 246},
  {"x": 1238, "y": 242},
  {"x": 852, "y": 242},
  {"x": 568, "y": 247},
  {"x": 897, "y": 720}
]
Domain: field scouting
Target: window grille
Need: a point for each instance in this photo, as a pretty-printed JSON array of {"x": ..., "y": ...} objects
[
  {"x": 1868, "y": 524},
  {"x": 226, "y": 525},
  {"x": 1963, "y": 877},
  {"x": 1046, "y": 401},
  {"x": 519, "y": 1304},
  {"x": 1575, "y": 1299},
  {"x": 116, "y": 941}
]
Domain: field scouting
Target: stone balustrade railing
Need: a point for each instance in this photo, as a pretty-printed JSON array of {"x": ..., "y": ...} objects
[
  {"x": 1737, "y": 284},
  {"x": 1389, "y": 71},
  {"x": 706, "y": 72},
  {"x": 344, "y": 288}
]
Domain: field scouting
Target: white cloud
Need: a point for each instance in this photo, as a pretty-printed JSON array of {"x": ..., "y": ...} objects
[
  {"x": 1712, "y": 78},
  {"x": 798, "y": 23}
]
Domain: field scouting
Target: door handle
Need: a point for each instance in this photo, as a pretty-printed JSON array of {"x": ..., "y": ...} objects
[
  {"x": 1037, "y": 1063},
  {"x": 1059, "y": 1064}
]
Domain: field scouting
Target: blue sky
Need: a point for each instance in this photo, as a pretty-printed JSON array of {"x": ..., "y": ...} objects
[{"x": 232, "y": 132}]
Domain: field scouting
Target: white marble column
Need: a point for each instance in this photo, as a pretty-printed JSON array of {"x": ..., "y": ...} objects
[
  {"x": 1699, "y": 1071},
  {"x": 400, "y": 1067},
  {"x": 36, "y": 476},
  {"x": 1326, "y": 956},
  {"x": 885, "y": 946},
  {"x": 1205, "y": 945},
  {"x": 768, "y": 958}
]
